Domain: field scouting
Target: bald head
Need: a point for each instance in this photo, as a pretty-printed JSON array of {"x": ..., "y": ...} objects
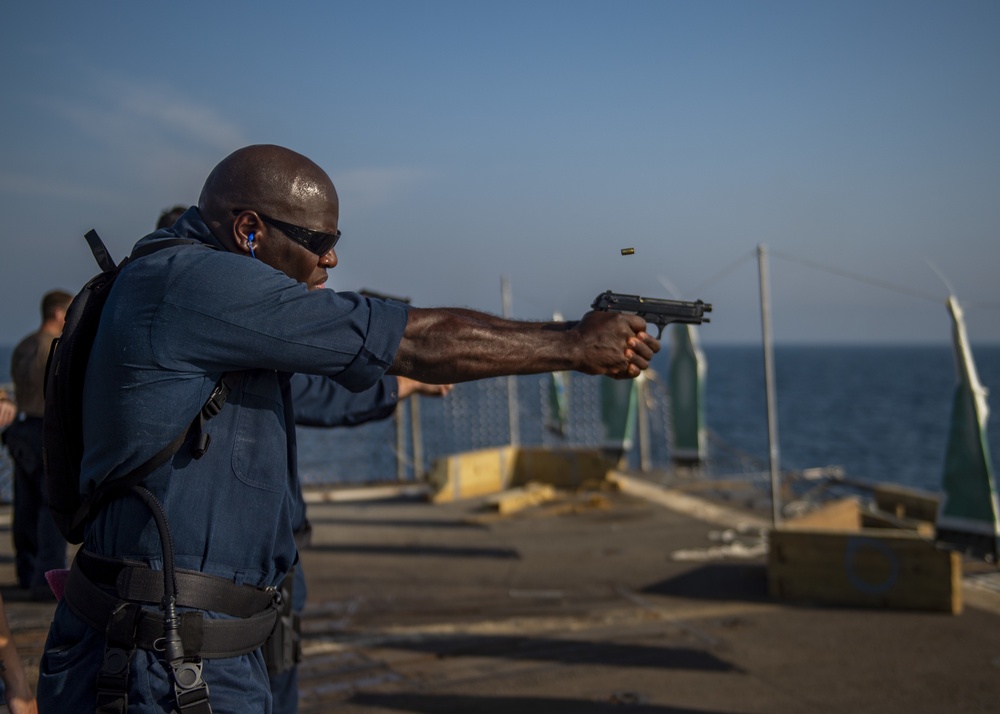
[{"x": 271, "y": 179}]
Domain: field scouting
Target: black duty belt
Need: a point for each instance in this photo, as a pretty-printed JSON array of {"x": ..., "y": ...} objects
[{"x": 98, "y": 586}]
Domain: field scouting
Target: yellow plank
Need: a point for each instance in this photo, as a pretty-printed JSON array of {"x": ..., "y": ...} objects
[
  {"x": 517, "y": 499},
  {"x": 883, "y": 519},
  {"x": 843, "y": 514}
]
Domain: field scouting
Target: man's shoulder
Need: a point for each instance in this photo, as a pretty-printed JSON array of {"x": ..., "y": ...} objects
[
  {"x": 177, "y": 258},
  {"x": 25, "y": 359},
  {"x": 161, "y": 244},
  {"x": 29, "y": 344},
  {"x": 23, "y": 343}
]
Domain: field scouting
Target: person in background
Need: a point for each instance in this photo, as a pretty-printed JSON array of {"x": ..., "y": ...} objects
[
  {"x": 38, "y": 544},
  {"x": 169, "y": 216},
  {"x": 17, "y": 691}
]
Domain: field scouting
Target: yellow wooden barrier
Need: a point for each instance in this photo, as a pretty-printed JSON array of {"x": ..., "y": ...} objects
[
  {"x": 487, "y": 471},
  {"x": 864, "y": 567}
]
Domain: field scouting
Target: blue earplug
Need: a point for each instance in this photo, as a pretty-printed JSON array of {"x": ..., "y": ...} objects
[{"x": 250, "y": 245}]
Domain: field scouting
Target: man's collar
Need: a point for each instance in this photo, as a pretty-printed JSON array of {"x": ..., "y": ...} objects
[{"x": 189, "y": 225}]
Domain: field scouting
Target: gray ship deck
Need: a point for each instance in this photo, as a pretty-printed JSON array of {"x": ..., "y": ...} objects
[{"x": 592, "y": 603}]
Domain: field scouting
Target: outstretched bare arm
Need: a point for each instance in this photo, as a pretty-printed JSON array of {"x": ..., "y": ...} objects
[{"x": 444, "y": 345}]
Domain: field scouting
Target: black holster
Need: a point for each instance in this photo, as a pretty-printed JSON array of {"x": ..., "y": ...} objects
[{"x": 283, "y": 649}]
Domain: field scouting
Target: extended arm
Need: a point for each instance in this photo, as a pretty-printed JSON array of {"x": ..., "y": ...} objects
[
  {"x": 408, "y": 387},
  {"x": 457, "y": 345},
  {"x": 320, "y": 401}
]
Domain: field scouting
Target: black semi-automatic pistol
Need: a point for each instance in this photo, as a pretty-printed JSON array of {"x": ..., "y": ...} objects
[{"x": 659, "y": 312}]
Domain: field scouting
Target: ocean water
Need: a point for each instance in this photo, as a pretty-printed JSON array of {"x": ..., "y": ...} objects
[{"x": 881, "y": 413}]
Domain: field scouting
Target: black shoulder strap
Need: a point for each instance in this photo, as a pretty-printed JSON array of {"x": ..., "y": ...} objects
[
  {"x": 100, "y": 251},
  {"x": 106, "y": 264}
]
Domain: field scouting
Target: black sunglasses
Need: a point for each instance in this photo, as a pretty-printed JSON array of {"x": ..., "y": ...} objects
[{"x": 314, "y": 241}]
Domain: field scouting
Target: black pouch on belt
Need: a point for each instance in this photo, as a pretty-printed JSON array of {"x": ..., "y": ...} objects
[{"x": 283, "y": 649}]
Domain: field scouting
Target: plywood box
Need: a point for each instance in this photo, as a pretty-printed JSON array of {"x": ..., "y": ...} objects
[
  {"x": 471, "y": 474},
  {"x": 562, "y": 468},
  {"x": 488, "y": 471},
  {"x": 864, "y": 567}
]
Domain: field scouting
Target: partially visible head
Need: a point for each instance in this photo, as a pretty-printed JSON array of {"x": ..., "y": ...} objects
[
  {"x": 54, "y": 306},
  {"x": 169, "y": 217},
  {"x": 271, "y": 181}
]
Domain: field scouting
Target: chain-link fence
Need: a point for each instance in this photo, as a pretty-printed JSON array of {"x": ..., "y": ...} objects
[{"x": 476, "y": 416}]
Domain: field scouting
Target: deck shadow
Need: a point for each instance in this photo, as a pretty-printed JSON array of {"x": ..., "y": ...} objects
[
  {"x": 396, "y": 523},
  {"x": 461, "y": 704},
  {"x": 434, "y": 551},
  {"x": 12, "y": 592},
  {"x": 567, "y": 651},
  {"x": 719, "y": 581}
]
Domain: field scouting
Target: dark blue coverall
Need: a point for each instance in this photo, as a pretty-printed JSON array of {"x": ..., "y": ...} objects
[{"x": 175, "y": 321}]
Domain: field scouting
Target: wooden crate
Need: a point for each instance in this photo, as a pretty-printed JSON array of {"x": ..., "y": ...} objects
[
  {"x": 471, "y": 474},
  {"x": 864, "y": 567},
  {"x": 562, "y": 468},
  {"x": 488, "y": 471}
]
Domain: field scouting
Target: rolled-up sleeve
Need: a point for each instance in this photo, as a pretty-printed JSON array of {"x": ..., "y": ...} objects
[{"x": 386, "y": 323}]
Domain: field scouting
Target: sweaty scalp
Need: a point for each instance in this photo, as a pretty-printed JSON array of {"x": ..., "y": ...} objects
[{"x": 268, "y": 178}]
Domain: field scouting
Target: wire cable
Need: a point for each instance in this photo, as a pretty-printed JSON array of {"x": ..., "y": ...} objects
[
  {"x": 725, "y": 271},
  {"x": 856, "y": 276}
]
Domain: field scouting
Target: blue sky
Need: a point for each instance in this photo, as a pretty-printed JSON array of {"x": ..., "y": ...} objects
[{"x": 471, "y": 140}]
